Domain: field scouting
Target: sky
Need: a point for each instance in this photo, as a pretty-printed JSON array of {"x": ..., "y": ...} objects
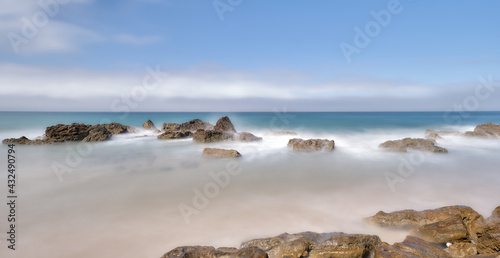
[{"x": 242, "y": 55}]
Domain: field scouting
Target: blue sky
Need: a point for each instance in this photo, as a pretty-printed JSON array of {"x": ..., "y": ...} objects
[{"x": 263, "y": 55}]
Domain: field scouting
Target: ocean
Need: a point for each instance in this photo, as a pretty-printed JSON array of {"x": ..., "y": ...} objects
[{"x": 137, "y": 196}]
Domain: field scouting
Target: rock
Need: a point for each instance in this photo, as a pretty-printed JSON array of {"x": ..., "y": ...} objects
[
  {"x": 412, "y": 218},
  {"x": 65, "y": 133},
  {"x": 203, "y": 136},
  {"x": 224, "y": 124},
  {"x": 448, "y": 230},
  {"x": 220, "y": 153},
  {"x": 496, "y": 213},
  {"x": 485, "y": 130},
  {"x": 211, "y": 252},
  {"x": 280, "y": 132},
  {"x": 97, "y": 133},
  {"x": 25, "y": 141},
  {"x": 462, "y": 249},
  {"x": 174, "y": 135},
  {"x": 410, "y": 247},
  {"x": 116, "y": 128},
  {"x": 170, "y": 127},
  {"x": 246, "y": 137},
  {"x": 489, "y": 237},
  {"x": 310, "y": 244},
  {"x": 412, "y": 144},
  {"x": 195, "y": 125},
  {"x": 149, "y": 125},
  {"x": 311, "y": 144},
  {"x": 433, "y": 133},
  {"x": 433, "y": 136}
]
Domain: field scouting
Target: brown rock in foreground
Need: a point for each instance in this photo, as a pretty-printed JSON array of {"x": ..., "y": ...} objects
[
  {"x": 220, "y": 153},
  {"x": 211, "y": 252},
  {"x": 485, "y": 131},
  {"x": 410, "y": 247},
  {"x": 224, "y": 124},
  {"x": 67, "y": 133},
  {"x": 310, "y": 244},
  {"x": 412, "y": 144},
  {"x": 449, "y": 230},
  {"x": 311, "y": 144}
]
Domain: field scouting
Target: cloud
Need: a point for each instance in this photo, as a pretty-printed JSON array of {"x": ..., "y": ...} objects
[{"x": 137, "y": 40}]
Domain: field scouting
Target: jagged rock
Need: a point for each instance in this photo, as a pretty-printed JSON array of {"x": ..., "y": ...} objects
[
  {"x": 246, "y": 137},
  {"x": 224, "y": 124},
  {"x": 195, "y": 125},
  {"x": 448, "y": 230},
  {"x": 220, "y": 153},
  {"x": 485, "y": 130},
  {"x": 489, "y": 237},
  {"x": 496, "y": 213},
  {"x": 149, "y": 125},
  {"x": 116, "y": 128},
  {"x": 211, "y": 252},
  {"x": 25, "y": 141},
  {"x": 462, "y": 249},
  {"x": 311, "y": 144},
  {"x": 280, "y": 132},
  {"x": 412, "y": 144},
  {"x": 65, "y": 133},
  {"x": 97, "y": 133},
  {"x": 310, "y": 244},
  {"x": 174, "y": 135},
  {"x": 410, "y": 247},
  {"x": 203, "y": 136},
  {"x": 170, "y": 127}
]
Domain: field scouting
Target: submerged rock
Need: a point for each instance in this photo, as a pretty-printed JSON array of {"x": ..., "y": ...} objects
[
  {"x": 211, "y": 252},
  {"x": 410, "y": 247},
  {"x": 149, "y": 125},
  {"x": 25, "y": 141},
  {"x": 203, "y": 136},
  {"x": 220, "y": 153},
  {"x": 246, "y": 137},
  {"x": 311, "y": 144},
  {"x": 170, "y": 127},
  {"x": 280, "y": 132},
  {"x": 485, "y": 131},
  {"x": 412, "y": 144},
  {"x": 174, "y": 135},
  {"x": 224, "y": 124}
]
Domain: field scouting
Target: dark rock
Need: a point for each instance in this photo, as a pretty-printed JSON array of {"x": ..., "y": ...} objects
[
  {"x": 246, "y": 137},
  {"x": 203, "y": 136},
  {"x": 190, "y": 252},
  {"x": 97, "y": 133},
  {"x": 170, "y": 127},
  {"x": 116, "y": 128},
  {"x": 311, "y": 144},
  {"x": 224, "y": 124},
  {"x": 309, "y": 244},
  {"x": 194, "y": 125},
  {"x": 174, "y": 135},
  {"x": 211, "y": 252},
  {"x": 149, "y": 125},
  {"x": 25, "y": 141},
  {"x": 485, "y": 130},
  {"x": 489, "y": 237},
  {"x": 410, "y": 247},
  {"x": 220, "y": 153},
  {"x": 65, "y": 133},
  {"x": 462, "y": 249},
  {"x": 412, "y": 144}
]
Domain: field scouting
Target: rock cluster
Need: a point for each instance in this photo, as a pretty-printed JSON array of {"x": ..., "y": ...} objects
[
  {"x": 149, "y": 125},
  {"x": 485, "y": 131},
  {"x": 209, "y": 251},
  {"x": 412, "y": 144},
  {"x": 223, "y": 131},
  {"x": 311, "y": 144}
]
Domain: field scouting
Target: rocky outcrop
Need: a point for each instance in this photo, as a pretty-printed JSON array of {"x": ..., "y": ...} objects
[
  {"x": 224, "y": 124},
  {"x": 211, "y": 252},
  {"x": 194, "y": 125},
  {"x": 485, "y": 131},
  {"x": 246, "y": 137},
  {"x": 67, "y": 133},
  {"x": 462, "y": 249},
  {"x": 310, "y": 244},
  {"x": 174, "y": 135},
  {"x": 97, "y": 133},
  {"x": 170, "y": 127},
  {"x": 412, "y": 144},
  {"x": 435, "y": 135},
  {"x": 25, "y": 141},
  {"x": 117, "y": 128},
  {"x": 410, "y": 247},
  {"x": 489, "y": 237},
  {"x": 149, "y": 125},
  {"x": 202, "y": 136},
  {"x": 280, "y": 132},
  {"x": 220, "y": 153},
  {"x": 311, "y": 144}
]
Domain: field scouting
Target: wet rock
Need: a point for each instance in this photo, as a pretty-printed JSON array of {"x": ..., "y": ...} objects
[
  {"x": 224, "y": 124},
  {"x": 310, "y": 244},
  {"x": 246, "y": 137},
  {"x": 280, "y": 132},
  {"x": 174, "y": 135},
  {"x": 489, "y": 237},
  {"x": 311, "y": 144},
  {"x": 462, "y": 249},
  {"x": 195, "y": 125},
  {"x": 66, "y": 133},
  {"x": 97, "y": 133},
  {"x": 117, "y": 128},
  {"x": 211, "y": 252},
  {"x": 485, "y": 131},
  {"x": 203, "y": 136},
  {"x": 190, "y": 251},
  {"x": 412, "y": 144},
  {"x": 410, "y": 247},
  {"x": 170, "y": 127},
  {"x": 448, "y": 230},
  {"x": 220, "y": 153},
  {"x": 25, "y": 141},
  {"x": 149, "y": 125}
]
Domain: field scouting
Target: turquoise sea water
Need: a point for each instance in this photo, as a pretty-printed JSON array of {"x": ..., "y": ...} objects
[{"x": 127, "y": 197}]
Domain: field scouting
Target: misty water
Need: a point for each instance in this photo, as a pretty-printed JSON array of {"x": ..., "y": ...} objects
[{"x": 136, "y": 196}]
